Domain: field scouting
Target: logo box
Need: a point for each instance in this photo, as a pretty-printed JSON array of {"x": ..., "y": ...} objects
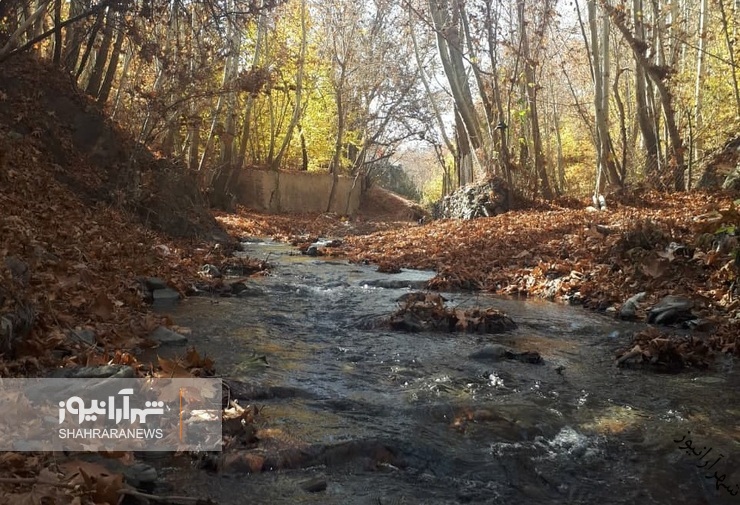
[{"x": 110, "y": 414}]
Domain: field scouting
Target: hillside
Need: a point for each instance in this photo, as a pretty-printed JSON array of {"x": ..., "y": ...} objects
[{"x": 77, "y": 233}]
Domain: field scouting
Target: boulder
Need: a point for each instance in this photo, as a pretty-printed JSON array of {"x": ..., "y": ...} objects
[
  {"x": 396, "y": 283},
  {"x": 165, "y": 336},
  {"x": 313, "y": 250},
  {"x": 628, "y": 311},
  {"x": 86, "y": 336},
  {"x": 155, "y": 283},
  {"x": 732, "y": 181},
  {"x": 497, "y": 352},
  {"x": 671, "y": 309},
  {"x": 209, "y": 270},
  {"x": 492, "y": 352},
  {"x": 482, "y": 199},
  {"x": 314, "y": 485},
  {"x": 427, "y": 312},
  {"x": 165, "y": 296},
  {"x": 245, "y": 291},
  {"x": 717, "y": 172}
]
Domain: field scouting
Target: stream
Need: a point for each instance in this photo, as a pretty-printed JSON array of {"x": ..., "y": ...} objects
[{"x": 419, "y": 421}]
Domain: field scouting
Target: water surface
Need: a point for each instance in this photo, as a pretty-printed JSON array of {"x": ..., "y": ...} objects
[{"x": 574, "y": 430}]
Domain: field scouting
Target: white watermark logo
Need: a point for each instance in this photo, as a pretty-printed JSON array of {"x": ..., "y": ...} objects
[
  {"x": 76, "y": 406},
  {"x": 174, "y": 414}
]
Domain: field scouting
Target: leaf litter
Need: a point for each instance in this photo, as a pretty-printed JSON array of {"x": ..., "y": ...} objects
[{"x": 68, "y": 265}]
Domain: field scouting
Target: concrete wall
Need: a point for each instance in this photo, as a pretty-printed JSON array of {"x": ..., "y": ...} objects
[{"x": 288, "y": 191}]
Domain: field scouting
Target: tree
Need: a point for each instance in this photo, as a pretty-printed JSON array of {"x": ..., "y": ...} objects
[
  {"x": 376, "y": 92},
  {"x": 532, "y": 87},
  {"x": 297, "y": 106},
  {"x": 447, "y": 20},
  {"x": 658, "y": 75},
  {"x": 600, "y": 65},
  {"x": 422, "y": 63}
]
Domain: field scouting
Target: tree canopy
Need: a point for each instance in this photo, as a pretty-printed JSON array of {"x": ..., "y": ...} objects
[{"x": 556, "y": 98}]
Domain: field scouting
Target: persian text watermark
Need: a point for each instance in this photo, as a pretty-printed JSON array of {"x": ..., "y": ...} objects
[
  {"x": 687, "y": 444},
  {"x": 110, "y": 414}
]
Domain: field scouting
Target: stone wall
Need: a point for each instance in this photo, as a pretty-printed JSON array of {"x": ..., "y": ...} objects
[{"x": 289, "y": 191}]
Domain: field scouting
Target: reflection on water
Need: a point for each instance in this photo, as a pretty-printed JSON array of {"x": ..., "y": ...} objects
[{"x": 572, "y": 430}]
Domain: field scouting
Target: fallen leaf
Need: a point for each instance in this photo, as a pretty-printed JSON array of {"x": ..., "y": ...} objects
[
  {"x": 102, "y": 307},
  {"x": 654, "y": 267},
  {"x": 173, "y": 369}
]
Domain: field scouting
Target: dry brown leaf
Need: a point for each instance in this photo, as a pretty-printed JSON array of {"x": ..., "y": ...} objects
[
  {"x": 102, "y": 485},
  {"x": 173, "y": 369},
  {"x": 40, "y": 494},
  {"x": 654, "y": 267},
  {"x": 14, "y": 460},
  {"x": 193, "y": 360},
  {"x": 102, "y": 307},
  {"x": 712, "y": 258},
  {"x": 27, "y": 498}
]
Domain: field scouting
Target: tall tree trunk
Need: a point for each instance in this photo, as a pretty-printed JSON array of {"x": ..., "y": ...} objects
[
  {"x": 492, "y": 25},
  {"x": 598, "y": 76},
  {"x": 38, "y": 25},
  {"x": 601, "y": 65},
  {"x": 464, "y": 161},
  {"x": 559, "y": 159},
  {"x": 658, "y": 76},
  {"x": 232, "y": 36},
  {"x": 110, "y": 73},
  {"x": 229, "y": 138},
  {"x": 730, "y": 42},
  {"x": 304, "y": 148},
  {"x": 194, "y": 123},
  {"x": 531, "y": 93},
  {"x": 335, "y": 164},
  {"x": 124, "y": 77},
  {"x": 699, "y": 80},
  {"x": 147, "y": 126},
  {"x": 194, "y": 118},
  {"x": 57, "y": 32},
  {"x": 225, "y": 173},
  {"x": 622, "y": 125},
  {"x": 96, "y": 76},
  {"x": 473, "y": 58},
  {"x": 644, "y": 117},
  {"x": 432, "y": 100},
  {"x": 262, "y": 21},
  {"x": 23, "y": 28},
  {"x": 428, "y": 90},
  {"x": 273, "y": 128},
  {"x": 90, "y": 44},
  {"x": 675, "y": 33},
  {"x": 73, "y": 38},
  {"x": 449, "y": 45}
]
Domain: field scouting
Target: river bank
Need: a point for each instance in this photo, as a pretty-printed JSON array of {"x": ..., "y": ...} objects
[{"x": 650, "y": 244}]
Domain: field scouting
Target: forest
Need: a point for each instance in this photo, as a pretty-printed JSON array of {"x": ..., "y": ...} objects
[
  {"x": 436, "y": 251},
  {"x": 557, "y": 98}
]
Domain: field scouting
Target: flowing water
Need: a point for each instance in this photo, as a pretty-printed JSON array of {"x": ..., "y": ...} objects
[{"x": 424, "y": 423}]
